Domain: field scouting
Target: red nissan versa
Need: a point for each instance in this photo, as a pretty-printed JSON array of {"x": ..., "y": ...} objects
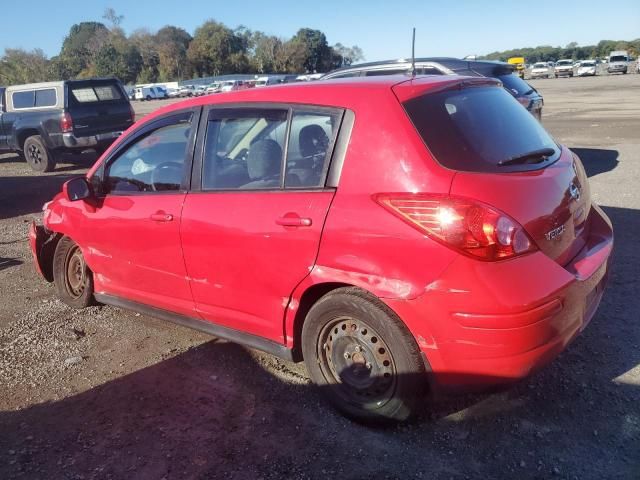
[{"x": 384, "y": 230}]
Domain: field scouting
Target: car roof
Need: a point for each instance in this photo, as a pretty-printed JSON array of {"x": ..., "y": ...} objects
[
  {"x": 451, "y": 63},
  {"x": 340, "y": 93}
]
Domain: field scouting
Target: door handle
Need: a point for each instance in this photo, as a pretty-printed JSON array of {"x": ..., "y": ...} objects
[
  {"x": 293, "y": 220},
  {"x": 161, "y": 217}
]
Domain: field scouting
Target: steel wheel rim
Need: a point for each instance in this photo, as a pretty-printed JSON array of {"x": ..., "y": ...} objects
[
  {"x": 35, "y": 154},
  {"x": 358, "y": 362},
  {"x": 76, "y": 273}
]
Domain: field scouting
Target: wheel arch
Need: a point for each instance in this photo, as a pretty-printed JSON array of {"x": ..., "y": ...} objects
[
  {"x": 306, "y": 296},
  {"x": 23, "y": 134}
]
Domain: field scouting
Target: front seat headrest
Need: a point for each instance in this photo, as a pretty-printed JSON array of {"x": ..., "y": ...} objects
[{"x": 264, "y": 159}]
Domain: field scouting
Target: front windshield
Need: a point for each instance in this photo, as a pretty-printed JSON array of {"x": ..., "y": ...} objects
[
  {"x": 618, "y": 58},
  {"x": 564, "y": 62},
  {"x": 540, "y": 65},
  {"x": 588, "y": 64}
]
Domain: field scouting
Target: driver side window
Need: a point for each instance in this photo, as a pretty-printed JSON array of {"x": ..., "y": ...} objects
[{"x": 153, "y": 163}]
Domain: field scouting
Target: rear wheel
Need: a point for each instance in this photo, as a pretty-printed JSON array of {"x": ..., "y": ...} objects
[
  {"x": 37, "y": 155},
  {"x": 363, "y": 358},
  {"x": 72, "y": 277}
]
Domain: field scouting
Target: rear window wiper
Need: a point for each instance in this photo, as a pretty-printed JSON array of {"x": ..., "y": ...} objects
[{"x": 540, "y": 155}]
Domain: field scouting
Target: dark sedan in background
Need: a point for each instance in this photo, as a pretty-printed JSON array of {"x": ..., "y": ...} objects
[{"x": 521, "y": 90}]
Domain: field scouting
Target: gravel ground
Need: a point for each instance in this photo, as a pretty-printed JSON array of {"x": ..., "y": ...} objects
[{"x": 103, "y": 393}]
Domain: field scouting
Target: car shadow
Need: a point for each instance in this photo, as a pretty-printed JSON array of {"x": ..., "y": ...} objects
[
  {"x": 8, "y": 263},
  {"x": 217, "y": 411},
  {"x": 597, "y": 160}
]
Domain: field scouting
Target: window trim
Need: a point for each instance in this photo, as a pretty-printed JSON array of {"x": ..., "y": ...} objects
[
  {"x": 34, "y": 90},
  {"x": 155, "y": 124},
  {"x": 209, "y": 111}
]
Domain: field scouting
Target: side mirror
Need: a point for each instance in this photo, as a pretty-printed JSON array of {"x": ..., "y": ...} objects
[{"x": 77, "y": 189}]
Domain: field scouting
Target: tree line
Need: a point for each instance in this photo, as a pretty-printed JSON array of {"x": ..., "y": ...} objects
[
  {"x": 103, "y": 49},
  {"x": 547, "y": 53}
]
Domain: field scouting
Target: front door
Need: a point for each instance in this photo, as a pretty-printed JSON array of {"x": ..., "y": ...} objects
[
  {"x": 132, "y": 239},
  {"x": 252, "y": 232}
]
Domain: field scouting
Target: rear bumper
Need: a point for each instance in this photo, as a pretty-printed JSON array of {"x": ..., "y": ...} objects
[
  {"x": 489, "y": 323},
  {"x": 103, "y": 139}
]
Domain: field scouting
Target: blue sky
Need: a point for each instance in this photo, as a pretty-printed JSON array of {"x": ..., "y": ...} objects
[{"x": 381, "y": 28}]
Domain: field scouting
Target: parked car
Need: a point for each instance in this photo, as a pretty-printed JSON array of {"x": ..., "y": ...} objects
[
  {"x": 618, "y": 62},
  {"x": 564, "y": 68},
  {"x": 266, "y": 81},
  {"x": 308, "y": 240},
  {"x": 233, "y": 85},
  {"x": 42, "y": 120},
  {"x": 199, "y": 91},
  {"x": 213, "y": 88},
  {"x": 146, "y": 93},
  {"x": 173, "y": 92},
  {"x": 587, "y": 68},
  {"x": 186, "y": 90},
  {"x": 528, "y": 96},
  {"x": 542, "y": 70}
]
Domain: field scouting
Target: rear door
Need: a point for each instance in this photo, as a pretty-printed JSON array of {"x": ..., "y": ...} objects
[
  {"x": 252, "y": 231},
  {"x": 98, "y": 106}
]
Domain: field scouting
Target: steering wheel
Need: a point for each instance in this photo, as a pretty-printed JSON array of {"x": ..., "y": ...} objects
[{"x": 166, "y": 171}]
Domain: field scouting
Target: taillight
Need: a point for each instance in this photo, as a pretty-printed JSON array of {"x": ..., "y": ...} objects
[
  {"x": 524, "y": 101},
  {"x": 132, "y": 113},
  {"x": 66, "y": 123},
  {"x": 473, "y": 228}
]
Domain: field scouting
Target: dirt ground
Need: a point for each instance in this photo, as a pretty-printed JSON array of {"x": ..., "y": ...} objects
[{"x": 103, "y": 393}]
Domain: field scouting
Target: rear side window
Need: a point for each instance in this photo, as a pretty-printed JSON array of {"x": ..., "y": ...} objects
[
  {"x": 476, "y": 128},
  {"x": 244, "y": 149},
  {"x": 377, "y": 73},
  {"x": 24, "y": 99},
  {"x": 46, "y": 98},
  {"x": 96, "y": 93},
  {"x": 310, "y": 145},
  {"x": 515, "y": 84}
]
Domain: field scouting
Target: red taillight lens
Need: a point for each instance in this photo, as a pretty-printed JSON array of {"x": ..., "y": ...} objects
[
  {"x": 473, "y": 228},
  {"x": 524, "y": 101},
  {"x": 66, "y": 123},
  {"x": 133, "y": 113}
]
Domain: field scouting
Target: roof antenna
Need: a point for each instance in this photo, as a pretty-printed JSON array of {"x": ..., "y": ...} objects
[{"x": 413, "y": 53}]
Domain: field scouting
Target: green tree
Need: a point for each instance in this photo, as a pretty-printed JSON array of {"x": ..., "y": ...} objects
[
  {"x": 124, "y": 63},
  {"x": 79, "y": 49},
  {"x": 215, "y": 49},
  {"x": 18, "y": 66},
  {"x": 171, "y": 44},
  {"x": 315, "y": 54}
]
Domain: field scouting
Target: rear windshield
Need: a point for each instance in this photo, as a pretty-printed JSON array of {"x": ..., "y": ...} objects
[
  {"x": 475, "y": 128},
  {"x": 88, "y": 93},
  {"x": 539, "y": 65},
  {"x": 515, "y": 84},
  {"x": 618, "y": 58},
  {"x": 564, "y": 62}
]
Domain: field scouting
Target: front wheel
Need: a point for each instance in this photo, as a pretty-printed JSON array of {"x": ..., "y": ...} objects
[
  {"x": 37, "y": 155},
  {"x": 72, "y": 277},
  {"x": 363, "y": 358}
]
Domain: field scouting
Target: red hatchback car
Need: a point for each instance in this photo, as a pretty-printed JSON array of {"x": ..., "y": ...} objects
[{"x": 394, "y": 233}]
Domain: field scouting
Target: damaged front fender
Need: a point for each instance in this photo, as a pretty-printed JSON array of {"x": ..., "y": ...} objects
[{"x": 43, "y": 245}]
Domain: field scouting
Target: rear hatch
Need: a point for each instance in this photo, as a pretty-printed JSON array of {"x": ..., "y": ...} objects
[
  {"x": 98, "y": 106},
  {"x": 503, "y": 157}
]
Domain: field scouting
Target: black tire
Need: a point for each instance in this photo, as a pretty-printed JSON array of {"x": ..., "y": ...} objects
[
  {"x": 72, "y": 277},
  {"x": 37, "y": 155},
  {"x": 148, "y": 98},
  {"x": 363, "y": 358}
]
